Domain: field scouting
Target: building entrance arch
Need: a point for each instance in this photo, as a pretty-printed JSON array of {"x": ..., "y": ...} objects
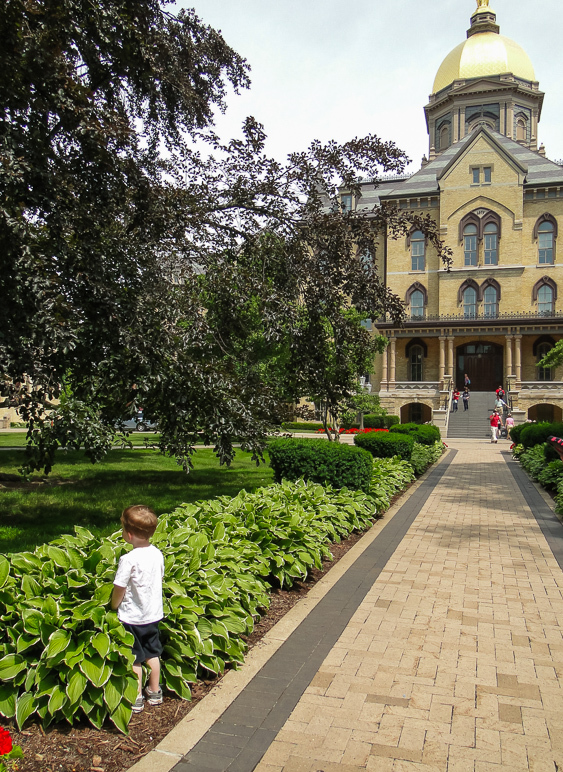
[{"x": 483, "y": 363}]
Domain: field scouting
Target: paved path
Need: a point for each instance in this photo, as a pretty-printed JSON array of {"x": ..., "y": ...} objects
[{"x": 445, "y": 651}]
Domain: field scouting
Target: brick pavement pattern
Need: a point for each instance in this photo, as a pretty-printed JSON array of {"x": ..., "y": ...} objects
[{"x": 454, "y": 661}]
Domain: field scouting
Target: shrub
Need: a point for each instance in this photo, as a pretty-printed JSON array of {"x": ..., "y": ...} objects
[
  {"x": 424, "y": 455},
  {"x": 65, "y": 656},
  {"x": 550, "y": 475},
  {"x": 559, "y": 498},
  {"x": 386, "y": 444},
  {"x": 537, "y": 434},
  {"x": 533, "y": 460},
  {"x": 515, "y": 433},
  {"x": 389, "y": 477},
  {"x": 380, "y": 421},
  {"x": 341, "y": 466},
  {"x": 423, "y": 433}
]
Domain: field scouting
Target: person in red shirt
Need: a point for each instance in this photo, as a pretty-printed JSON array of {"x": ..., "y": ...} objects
[
  {"x": 455, "y": 400},
  {"x": 494, "y": 420}
]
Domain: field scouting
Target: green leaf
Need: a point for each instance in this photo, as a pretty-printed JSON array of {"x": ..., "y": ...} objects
[
  {"x": 25, "y": 706},
  {"x": 58, "y": 642},
  {"x": 95, "y": 670},
  {"x": 131, "y": 689},
  {"x": 10, "y": 666},
  {"x": 97, "y": 716},
  {"x": 32, "y": 621},
  {"x": 76, "y": 686},
  {"x": 103, "y": 594},
  {"x": 59, "y": 557},
  {"x": 7, "y": 700},
  {"x": 101, "y": 642},
  {"x": 25, "y": 642},
  {"x": 121, "y": 717},
  {"x": 30, "y": 588},
  {"x": 50, "y": 607},
  {"x": 113, "y": 693},
  {"x": 4, "y": 570},
  {"x": 57, "y": 699}
]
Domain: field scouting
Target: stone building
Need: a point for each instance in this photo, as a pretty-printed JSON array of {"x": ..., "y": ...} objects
[{"x": 498, "y": 201}]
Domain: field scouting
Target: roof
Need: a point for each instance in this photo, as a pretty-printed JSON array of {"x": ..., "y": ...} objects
[{"x": 537, "y": 169}]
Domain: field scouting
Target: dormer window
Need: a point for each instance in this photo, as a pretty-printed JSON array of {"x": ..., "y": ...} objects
[{"x": 346, "y": 202}]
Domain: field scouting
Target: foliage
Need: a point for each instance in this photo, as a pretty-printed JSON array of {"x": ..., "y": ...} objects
[
  {"x": 551, "y": 474},
  {"x": 320, "y": 461},
  {"x": 534, "y": 460},
  {"x": 389, "y": 477},
  {"x": 361, "y": 401},
  {"x": 372, "y": 421},
  {"x": 559, "y": 498},
  {"x": 423, "y": 433},
  {"x": 386, "y": 445},
  {"x": 207, "y": 282},
  {"x": 554, "y": 356},
  {"x": 517, "y": 450},
  {"x": 424, "y": 455},
  {"x": 538, "y": 433},
  {"x": 516, "y": 432},
  {"x": 64, "y": 656}
]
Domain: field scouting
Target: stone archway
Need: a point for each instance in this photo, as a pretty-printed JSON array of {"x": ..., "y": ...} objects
[
  {"x": 483, "y": 362},
  {"x": 544, "y": 412},
  {"x": 416, "y": 412}
]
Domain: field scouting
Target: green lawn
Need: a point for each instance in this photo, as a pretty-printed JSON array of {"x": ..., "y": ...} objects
[
  {"x": 81, "y": 493},
  {"x": 17, "y": 439}
]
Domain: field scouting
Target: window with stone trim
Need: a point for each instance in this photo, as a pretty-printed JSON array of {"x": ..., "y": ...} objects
[
  {"x": 470, "y": 244},
  {"x": 544, "y": 373},
  {"x": 418, "y": 249},
  {"x": 490, "y": 302},
  {"x": 490, "y": 240},
  {"x": 545, "y": 299},
  {"x": 416, "y": 363},
  {"x": 470, "y": 303},
  {"x": 546, "y": 242},
  {"x": 417, "y": 305}
]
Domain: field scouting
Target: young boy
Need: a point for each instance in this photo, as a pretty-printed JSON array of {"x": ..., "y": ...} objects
[{"x": 137, "y": 597}]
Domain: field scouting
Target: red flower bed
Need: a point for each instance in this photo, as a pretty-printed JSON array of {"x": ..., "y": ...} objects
[
  {"x": 352, "y": 431},
  {"x": 5, "y": 742}
]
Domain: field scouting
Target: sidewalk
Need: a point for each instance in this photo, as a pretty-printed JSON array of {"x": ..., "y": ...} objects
[{"x": 439, "y": 648}]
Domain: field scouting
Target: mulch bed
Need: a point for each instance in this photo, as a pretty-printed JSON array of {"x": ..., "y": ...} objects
[{"x": 82, "y": 748}]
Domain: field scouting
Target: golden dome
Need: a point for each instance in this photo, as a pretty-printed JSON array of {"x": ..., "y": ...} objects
[{"x": 485, "y": 53}]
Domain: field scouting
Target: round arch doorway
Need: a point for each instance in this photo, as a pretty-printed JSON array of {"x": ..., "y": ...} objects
[{"x": 483, "y": 363}]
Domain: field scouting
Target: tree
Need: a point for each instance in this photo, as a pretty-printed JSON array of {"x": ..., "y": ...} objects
[{"x": 143, "y": 261}]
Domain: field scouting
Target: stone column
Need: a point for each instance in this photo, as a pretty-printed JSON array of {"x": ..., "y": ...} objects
[
  {"x": 385, "y": 373},
  {"x": 510, "y": 118},
  {"x": 442, "y": 358},
  {"x": 462, "y": 123},
  {"x": 451, "y": 370},
  {"x": 508, "y": 348},
  {"x": 393, "y": 352},
  {"x": 518, "y": 359}
]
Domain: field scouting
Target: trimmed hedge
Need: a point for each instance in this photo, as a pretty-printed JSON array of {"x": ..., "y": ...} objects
[
  {"x": 537, "y": 434},
  {"x": 317, "y": 460},
  {"x": 386, "y": 445},
  {"x": 372, "y": 421},
  {"x": 423, "y": 433},
  {"x": 515, "y": 433}
]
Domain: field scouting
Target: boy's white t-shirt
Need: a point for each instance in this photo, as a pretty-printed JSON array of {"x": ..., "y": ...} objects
[{"x": 140, "y": 572}]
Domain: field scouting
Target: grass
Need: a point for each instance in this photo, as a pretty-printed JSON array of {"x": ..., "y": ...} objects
[
  {"x": 17, "y": 439},
  {"x": 80, "y": 493}
]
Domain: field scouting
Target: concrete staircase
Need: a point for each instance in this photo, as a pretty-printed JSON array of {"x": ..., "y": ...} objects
[{"x": 473, "y": 423}]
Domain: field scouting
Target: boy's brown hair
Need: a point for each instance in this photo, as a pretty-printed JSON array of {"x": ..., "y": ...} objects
[{"x": 139, "y": 520}]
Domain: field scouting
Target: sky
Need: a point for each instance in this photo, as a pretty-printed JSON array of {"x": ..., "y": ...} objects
[{"x": 323, "y": 69}]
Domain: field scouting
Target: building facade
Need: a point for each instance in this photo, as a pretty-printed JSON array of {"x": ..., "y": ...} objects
[{"x": 498, "y": 201}]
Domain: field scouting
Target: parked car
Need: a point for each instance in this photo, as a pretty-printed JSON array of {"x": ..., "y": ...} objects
[{"x": 138, "y": 423}]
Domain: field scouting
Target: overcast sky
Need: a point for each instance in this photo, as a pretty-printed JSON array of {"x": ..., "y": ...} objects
[{"x": 323, "y": 69}]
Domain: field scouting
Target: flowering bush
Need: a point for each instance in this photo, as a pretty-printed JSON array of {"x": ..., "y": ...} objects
[{"x": 8, "y": 751}]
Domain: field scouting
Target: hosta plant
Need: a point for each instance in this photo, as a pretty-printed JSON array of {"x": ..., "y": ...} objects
[{"x": 65, "y": 656}]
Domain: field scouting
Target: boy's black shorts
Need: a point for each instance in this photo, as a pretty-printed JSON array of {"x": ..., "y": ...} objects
[{"x": 147, "y": 641}]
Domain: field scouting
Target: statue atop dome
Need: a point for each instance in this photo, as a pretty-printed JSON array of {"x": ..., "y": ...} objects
[{"x": 482, "y": 3}]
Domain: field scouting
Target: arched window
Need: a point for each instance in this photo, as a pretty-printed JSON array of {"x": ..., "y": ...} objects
[
  {"x": 490, "y": 235},
  {"x": 545, "y": 299},
  {"x": 546, "y": 233},
  {"x": 417, "y": 304},
  {"x": 521, "y": 130},
  {"x": 416, "y": 360},
  {"x": 444, "y": 137},
  {"x": 417, "y": 251},
  {"x": 470, "y": 244},
  {"x": 490, "y": 302},
  {"x": 544, "y": 373},
  {"x": 470, "y": 303}
]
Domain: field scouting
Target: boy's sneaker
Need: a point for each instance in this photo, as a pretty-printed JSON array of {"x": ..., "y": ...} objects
[
  {"x": 139, "y": 704},
  {"x": 153, "y": 698}
]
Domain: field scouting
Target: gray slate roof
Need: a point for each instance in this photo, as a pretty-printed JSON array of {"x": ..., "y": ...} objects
[{"x": 538, "y": 170}]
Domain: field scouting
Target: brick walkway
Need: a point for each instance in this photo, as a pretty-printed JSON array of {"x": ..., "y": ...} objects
[{"x": 453, "y": 660}]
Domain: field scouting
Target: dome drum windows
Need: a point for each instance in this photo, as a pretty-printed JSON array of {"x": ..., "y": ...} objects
[{"x": 545, "y": 233}]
